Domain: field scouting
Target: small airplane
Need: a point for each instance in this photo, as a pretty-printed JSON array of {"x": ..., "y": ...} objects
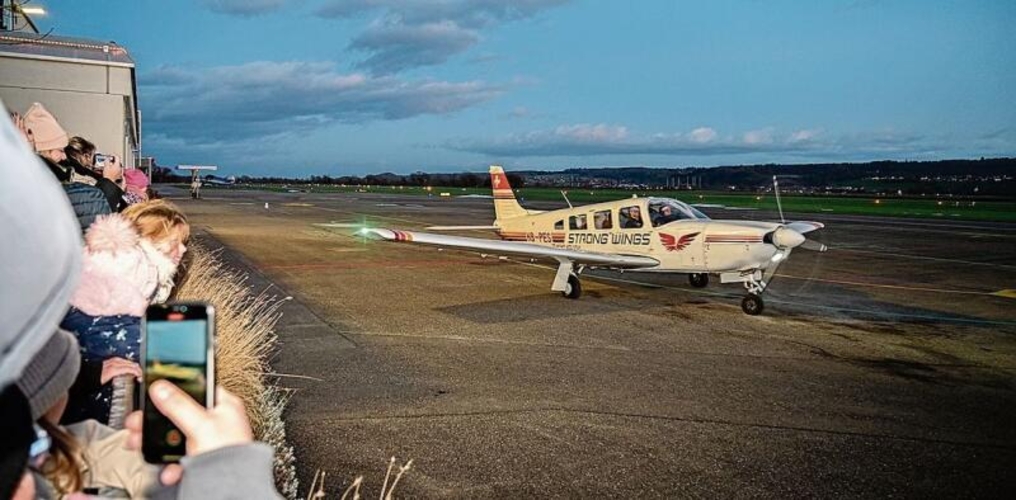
[
  {"x": 211, "y": 180},
  {"x": 652, "y": 234}
]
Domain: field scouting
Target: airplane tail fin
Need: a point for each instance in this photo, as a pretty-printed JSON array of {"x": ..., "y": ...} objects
[{"x": 505, "y": 204}]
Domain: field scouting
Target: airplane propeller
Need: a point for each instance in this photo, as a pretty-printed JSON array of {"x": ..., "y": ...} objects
[{"x": 792, "y": 235}]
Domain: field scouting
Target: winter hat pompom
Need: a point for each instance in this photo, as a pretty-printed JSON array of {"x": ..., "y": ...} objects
[{"x": 111, "y": 233}]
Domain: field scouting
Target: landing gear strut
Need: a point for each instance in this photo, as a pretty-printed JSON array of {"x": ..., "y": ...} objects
[
  {"x": 567, "y": 279},
  {"x": 573, "y": 289},
  {"x": 698, "y": 280},
  {"x": 755, "y": 284}
]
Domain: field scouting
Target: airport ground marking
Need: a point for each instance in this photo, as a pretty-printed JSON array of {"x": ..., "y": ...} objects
[
  {"x": 674, "y": 418},
  {"x": 895, "y": 287},
  {"x": 923, "y": 257}
]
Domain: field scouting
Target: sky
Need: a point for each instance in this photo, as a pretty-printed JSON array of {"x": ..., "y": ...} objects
[{"x": 351, "y": 87}]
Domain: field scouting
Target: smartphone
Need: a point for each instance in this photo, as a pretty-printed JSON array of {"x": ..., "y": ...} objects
[
  {"x": 178, "y": 345},
  {"x": 100, "y": 161}
]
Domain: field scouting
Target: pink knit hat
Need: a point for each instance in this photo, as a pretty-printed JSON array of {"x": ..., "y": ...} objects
[
  {"x": 136, "y": 179},
  {"x": 48, "y": 134}
]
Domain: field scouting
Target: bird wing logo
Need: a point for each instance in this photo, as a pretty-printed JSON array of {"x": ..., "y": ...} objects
[{"x": 674, "y": 244}]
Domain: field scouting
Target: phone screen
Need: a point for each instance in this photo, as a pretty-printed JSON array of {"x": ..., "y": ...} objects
[{"x": 177, "y": 348}]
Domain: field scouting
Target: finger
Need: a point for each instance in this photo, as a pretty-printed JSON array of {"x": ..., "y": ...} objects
[
  {"x": 133, "y": 421},
  {"x": 171, "y": 474},
  {"x": 177, "y": 405},
  {"x": 133, "y": 441}
]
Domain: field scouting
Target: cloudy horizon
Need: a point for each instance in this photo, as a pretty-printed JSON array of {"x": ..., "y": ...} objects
[{"x": 303, "y": 87}]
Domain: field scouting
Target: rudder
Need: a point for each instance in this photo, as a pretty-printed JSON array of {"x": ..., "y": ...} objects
[{"x": 505, "y": 204}]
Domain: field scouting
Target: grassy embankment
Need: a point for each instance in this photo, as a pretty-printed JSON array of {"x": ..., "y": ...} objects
[
  {"x": 889, "y": 206},
  {"x": 245, "y": 334}
]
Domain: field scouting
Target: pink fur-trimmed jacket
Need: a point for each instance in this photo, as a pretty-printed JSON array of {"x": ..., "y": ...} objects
[{"x": 122, "y": 273}]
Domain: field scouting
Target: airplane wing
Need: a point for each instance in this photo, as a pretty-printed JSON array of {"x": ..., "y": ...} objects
[
  {"x": 805, "y": 226},
  {"x": 511, "y": 248}
]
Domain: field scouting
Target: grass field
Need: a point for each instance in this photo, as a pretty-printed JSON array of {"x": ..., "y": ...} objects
[{"x": 938, "y": 208}]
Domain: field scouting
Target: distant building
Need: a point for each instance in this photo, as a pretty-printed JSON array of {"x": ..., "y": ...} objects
[{"x": 90, "y": 86}]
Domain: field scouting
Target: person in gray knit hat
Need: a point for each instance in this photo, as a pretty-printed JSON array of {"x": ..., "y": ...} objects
[
  {"x": 40, "y": 260},
  {"x": 86, "y": 456},
  {"x": 50, "y": 374}
]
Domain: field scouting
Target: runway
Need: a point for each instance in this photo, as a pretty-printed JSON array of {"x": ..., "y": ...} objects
[{"x": 882, "y": 367}]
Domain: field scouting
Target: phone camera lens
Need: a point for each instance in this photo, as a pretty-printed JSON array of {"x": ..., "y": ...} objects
[{"x": 183, "y": 309}]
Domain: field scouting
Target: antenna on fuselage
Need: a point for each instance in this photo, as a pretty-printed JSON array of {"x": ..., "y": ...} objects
[
  {"x": 565, "y": 194},
  {"x": 779, "y": 204}
]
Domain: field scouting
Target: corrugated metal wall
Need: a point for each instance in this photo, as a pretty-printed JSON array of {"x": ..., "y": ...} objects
[{"x": 94, "y": 101}]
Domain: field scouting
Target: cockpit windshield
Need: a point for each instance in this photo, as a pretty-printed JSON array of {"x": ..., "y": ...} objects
[{"x": 666, "y": 210}]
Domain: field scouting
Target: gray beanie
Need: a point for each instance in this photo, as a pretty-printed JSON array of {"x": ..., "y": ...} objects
[
  {"x": 40, "y": 258},
  {"x": 51, "y": 373}
]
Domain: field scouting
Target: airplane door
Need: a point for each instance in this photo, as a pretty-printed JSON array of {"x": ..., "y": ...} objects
[{"x": 689, "y": 245}]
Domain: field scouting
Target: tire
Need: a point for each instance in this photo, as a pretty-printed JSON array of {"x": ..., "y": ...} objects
[
  {"x": 752, "y": 304},
  {"x": 574, "y": 289},
  {"x": 698, "y": 280}
]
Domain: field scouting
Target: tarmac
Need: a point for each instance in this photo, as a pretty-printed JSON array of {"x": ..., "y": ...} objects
[{"x": 883, "y": 367}]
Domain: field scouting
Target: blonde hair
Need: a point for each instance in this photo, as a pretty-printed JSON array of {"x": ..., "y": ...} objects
[
  {"x": 158, "y": 220},
  {"x": 66, "y": 461}
]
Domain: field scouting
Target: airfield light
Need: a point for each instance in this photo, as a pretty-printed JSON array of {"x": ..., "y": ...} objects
[
  {"x": 758, "y": 198},
  {"x": 878, "y": 202}
]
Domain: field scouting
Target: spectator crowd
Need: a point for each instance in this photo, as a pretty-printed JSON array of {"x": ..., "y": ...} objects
[{"x": 87, "y": 247}]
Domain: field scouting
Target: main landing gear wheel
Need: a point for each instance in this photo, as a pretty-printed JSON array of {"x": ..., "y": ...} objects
[
  {"x": 752, "y": 304},
  {"x": 574, "y": 288},
  {"x": 698, "y": 280}
]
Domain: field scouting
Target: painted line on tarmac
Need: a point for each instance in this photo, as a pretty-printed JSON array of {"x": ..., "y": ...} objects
[
  {"x": 895, "y": 287},
  {"x": 356, "y": 265},
  {"x": 924, "y": 257}
]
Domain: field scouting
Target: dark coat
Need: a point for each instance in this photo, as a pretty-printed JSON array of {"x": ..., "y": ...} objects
[
  {"x": 99, "y": 338},
  {"x": 88, "y": 201},
  {"x": 113, "y": 193}
]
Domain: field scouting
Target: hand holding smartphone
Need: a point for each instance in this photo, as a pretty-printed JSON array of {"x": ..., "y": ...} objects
[{"x": 177, "y": 346}]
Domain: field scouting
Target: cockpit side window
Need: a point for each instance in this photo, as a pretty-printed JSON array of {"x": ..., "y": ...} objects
[
  {"x": 666, "y": 211},
  {"x": 578, "y": 222},
  {"x": 559, "y": 225},
  {"x": 603, "y": 219},
  {"x": 631, "y": 217}
]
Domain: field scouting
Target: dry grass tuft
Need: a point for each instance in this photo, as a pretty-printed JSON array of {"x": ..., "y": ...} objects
[
  {"x": 245, "y": 327},
  {"x": 317, "y": 488}
]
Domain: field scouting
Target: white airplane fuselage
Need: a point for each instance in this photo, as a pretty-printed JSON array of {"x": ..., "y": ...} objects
[{"x": 680, "y": 246}]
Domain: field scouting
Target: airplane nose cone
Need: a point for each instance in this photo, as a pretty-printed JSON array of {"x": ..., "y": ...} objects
[{"x": 787, "y": 238}]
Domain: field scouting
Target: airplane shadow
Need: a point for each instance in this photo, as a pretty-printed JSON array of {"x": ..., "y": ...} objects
[{"x": 542, "y": 306}]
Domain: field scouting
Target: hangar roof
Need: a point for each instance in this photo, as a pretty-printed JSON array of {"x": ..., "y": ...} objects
[{"x": 34, "y": 46}]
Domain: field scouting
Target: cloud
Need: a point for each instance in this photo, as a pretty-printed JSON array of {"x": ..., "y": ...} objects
[
  {"x": 756, "y": 137},
  {"x": 416, "y": 33},
  {"x": 394, "y": 46},
  {"x": 596, "y": 140},
  {"x": 592, "y": 133},
  {"x": 258, "y": 100},
  {"x": 804, "y": 135},
  {"x": 702, "y": 135},
  {"x": 243, "y": 8}
]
